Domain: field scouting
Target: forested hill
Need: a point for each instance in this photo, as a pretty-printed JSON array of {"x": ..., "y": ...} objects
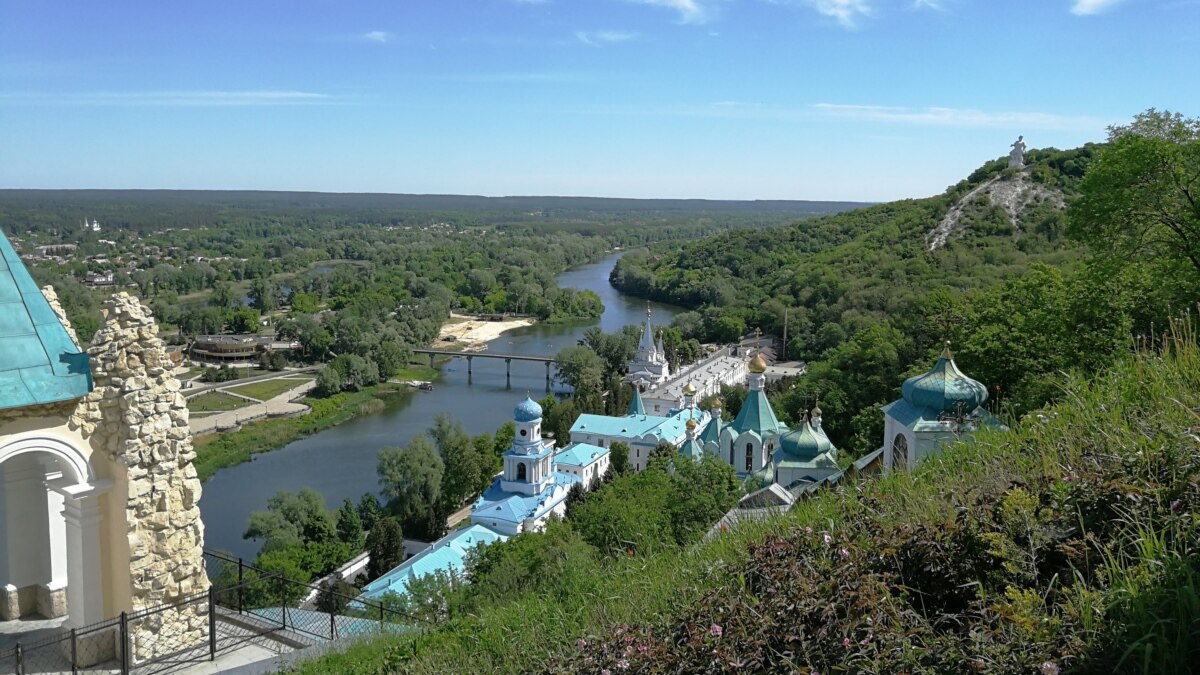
[
  {"x": 838, "y": 273},
  {"x": 158, "y": 209}
]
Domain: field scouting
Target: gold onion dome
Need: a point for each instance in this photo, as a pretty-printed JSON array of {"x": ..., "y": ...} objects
[
  {"x": 717, "y": 404},
  {"x": 758, "y": 364},
  {"x": 691, "y": 425},
  {"x": 689, "y": 389}
]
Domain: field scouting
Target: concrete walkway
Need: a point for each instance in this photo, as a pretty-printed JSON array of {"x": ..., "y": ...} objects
[{"x": 279, "y": 406}]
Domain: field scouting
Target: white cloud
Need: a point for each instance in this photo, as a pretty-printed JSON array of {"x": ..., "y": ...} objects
[
  {"x": 196, "y": 98},
  {"x": 1089, "y": 7},
  {"x": 845, "y": 11},
  {"x": 379, "y": 36},
  {"x": 928, "y": 4},
  {"x": 959, "y": 117},
  {"x": 597, "y": 38},
  {"x": 690, "y": 11}
]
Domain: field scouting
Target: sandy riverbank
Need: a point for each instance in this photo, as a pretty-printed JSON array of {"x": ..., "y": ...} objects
[{"x": 470, "y": 333}]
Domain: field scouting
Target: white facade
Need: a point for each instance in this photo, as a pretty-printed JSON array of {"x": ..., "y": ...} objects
[
  {"x": 649, "y": 366},
  {"x": 706, "y": 377}
]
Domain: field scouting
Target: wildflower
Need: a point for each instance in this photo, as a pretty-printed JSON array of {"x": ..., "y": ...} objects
[
  {"x": 582, "y": 644},
  {"x": 846, "y": 643},
  {"x": 843, "y": 553},
  {"x": 828, "y": 539},
  {"x": 623, "y": 664},
  {"x": 1175, "y": 506},
  {"x": 715, "y": 630},
  {"x": 629, "y": 553},
  {"x": 628, "y": 639},
  {"x": 1049, "y": 668},
  {"x": 606, "y": 671},
  {"x": 807, "y": 530},
  {"x": 1068, "y": 478},
  {"x": 642, "y": 649}
]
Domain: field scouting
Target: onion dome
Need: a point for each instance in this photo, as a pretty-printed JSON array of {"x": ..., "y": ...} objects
[
  {"x": 689, "y": 389},
  {"x": 527, "y": 411},
  {"x": 758, "y": 364},
  {"x": 717, "y": 404},
  {"x": 691, "y": 425},
  {"x": 816, "y": 411},
  {"x": 943, "y": 387},
  {"x": 805, "y": 443}
]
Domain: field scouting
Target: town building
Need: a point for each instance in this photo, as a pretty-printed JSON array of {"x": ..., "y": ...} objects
[
  {"x": 705, "y": 378},
  {"x": 638, "y": 430}
]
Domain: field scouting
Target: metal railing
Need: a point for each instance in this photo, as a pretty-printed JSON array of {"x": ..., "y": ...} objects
[{"x": 202, "y": 626}]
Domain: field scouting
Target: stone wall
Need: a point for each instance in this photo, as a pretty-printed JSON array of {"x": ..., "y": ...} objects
[{"x": 138, "y": 418}]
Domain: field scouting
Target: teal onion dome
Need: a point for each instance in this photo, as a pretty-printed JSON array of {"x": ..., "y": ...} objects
[
  {"x": 527, "y": 411},
  {"x": 805, "y": 443},
  {"x": 943, "y": 387}
]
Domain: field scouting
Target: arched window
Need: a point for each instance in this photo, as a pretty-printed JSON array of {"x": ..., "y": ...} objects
[
  {"x": 900, "y": 452},
  {"x": 521, "y": 471},
  {"x": 523, "y": 432},
  {"x": 749, "y": 456}
]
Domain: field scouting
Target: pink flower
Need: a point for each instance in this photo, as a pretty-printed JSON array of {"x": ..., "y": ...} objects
[
  {"x": 623, "y": 664},
  {"x": 642, "y": 649},
  {"x": 715, "y": 630},
  {"x": 628, "y": 639},
  {"x": 846, "y": 643},
  {"x": 606, "y": 671},
  {"x": 808, "y": 530},
  {"x": 843, "y": 553},
  {"x": 582, "y": 644},
  {"x": 1175, "y": 506},
  {"x": 1068, "y": 478},
  {"x": 828, "y": 539},
  {"x": 1049, "y": 668}
]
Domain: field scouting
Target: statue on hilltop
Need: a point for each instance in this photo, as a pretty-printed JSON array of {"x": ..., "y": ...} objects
[{"x": 1016, "y": 158}]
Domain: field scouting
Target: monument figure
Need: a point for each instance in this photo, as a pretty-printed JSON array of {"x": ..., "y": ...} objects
[{"x": 1016, "y": 158}]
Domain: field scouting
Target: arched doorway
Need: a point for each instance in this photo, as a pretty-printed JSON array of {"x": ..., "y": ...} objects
[
  {"x": 50, "y": 534},
  {"x": 900, "y": 453}
]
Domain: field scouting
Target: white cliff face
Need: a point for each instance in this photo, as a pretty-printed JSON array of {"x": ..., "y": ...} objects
[{"x": 1013, "y": 194}]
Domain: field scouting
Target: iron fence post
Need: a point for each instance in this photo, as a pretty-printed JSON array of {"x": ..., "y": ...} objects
[
  {"x": 283, "y": 600},
  {"x": 240, "y": 567},
  {"x": 212, "y": 624},
  {"x": 124, "y": 630},
  {"x": 381, "y": 617},
  {"x": 20, "y": 667},
  {"x": 74, "y": 654},
  {"x": 332, "y": 624}
]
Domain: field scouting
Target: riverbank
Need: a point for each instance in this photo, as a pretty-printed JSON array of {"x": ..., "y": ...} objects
[
  {"x": 471, "y": 334},
  {"x": 220, "y": 450}
]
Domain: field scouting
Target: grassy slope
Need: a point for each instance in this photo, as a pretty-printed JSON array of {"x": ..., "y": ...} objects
[{"x": 1134, "y": 419}]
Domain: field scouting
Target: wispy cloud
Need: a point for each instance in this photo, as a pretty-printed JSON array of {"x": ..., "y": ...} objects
[
  {"x": 690, "y": 11},
  {"x": 847, "y": 12},
  {"x": 958, "y": 117},
  {"x": 196, "y": 98},
  {"x": 929, "y": 4},
  {"x": 379, "y": 36},
  {"x": 598, "y": 38},
  {"x": 1089, "y": 7}
]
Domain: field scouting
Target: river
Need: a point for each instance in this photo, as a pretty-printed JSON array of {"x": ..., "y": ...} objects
[{"x": 340, "y": 462}]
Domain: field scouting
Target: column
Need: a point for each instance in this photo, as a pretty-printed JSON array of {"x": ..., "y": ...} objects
[{"x": 83, "y": 519}]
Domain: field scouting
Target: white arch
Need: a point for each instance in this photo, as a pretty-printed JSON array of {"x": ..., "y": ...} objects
[{"x": 72, "y": 458}]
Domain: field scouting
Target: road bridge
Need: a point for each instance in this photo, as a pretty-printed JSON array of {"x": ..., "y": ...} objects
[{"x": 508, "y": 359}]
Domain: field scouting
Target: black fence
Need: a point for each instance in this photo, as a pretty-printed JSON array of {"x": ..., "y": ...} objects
[{"x": 258, "y": 605}]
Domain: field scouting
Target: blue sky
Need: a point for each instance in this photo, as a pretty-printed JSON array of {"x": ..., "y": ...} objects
[{"x": 721, "y": 99}]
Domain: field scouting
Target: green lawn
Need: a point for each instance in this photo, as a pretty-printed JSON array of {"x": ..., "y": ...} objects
[
  {"x": 265, "y": 389},
  {"x": 214, "y": 401}
]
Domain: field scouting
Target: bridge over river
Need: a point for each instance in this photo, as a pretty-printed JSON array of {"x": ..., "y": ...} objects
[{"x": 508, "y": 359}]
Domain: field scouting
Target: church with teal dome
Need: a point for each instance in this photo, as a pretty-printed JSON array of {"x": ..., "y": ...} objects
[{"x": 935, "y": 407}]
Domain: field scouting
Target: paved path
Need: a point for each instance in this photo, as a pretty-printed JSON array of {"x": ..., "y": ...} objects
[
  {"x": 199, "y": 387},
  {"x": 280, "y": 405}
]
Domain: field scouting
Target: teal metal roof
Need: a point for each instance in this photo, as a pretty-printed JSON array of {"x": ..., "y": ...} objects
[
  {"x": 580, "y": 454},
  {"x": 446, "y": 554},
  {"x": 635, "y": 406},
  {"x": 692, "y": 450},
  {"x": 511, "y": 507},
  {"x": 943, "y": 387},
  {"x": 39, "y": 362},
  {"x": 756, "y": 415},
  {"x": 712, "y": 431},
  {"x": 805, "y": 443}
]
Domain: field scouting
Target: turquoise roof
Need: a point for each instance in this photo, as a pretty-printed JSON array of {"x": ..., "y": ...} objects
[
  {"x": 712, "y": 431},
  {"x": 448, "y": 553},
  {"x": 943, "y": 387},
  {"x": 512, "y": 507},
  {"x": 580, "y": 454},
  {"x": 805, "y": 443},
  {"x": 39, "y": 362},
  {"x": 692, "y": 450},
  {"x": 635, "y": 406},
  {"x": 756, "y": 415},
  {"x": 527, "y": 411},
  {"x": 929, "y": 419}
]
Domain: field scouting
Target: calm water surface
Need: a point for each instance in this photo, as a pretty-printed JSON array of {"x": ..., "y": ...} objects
[{"x": 340, "y": 462}]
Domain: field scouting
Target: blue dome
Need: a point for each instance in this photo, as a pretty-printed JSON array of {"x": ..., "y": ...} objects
[
  {"x": 527, "y": 411},
  {"x": 943, "y": 387},
  {"x": 805, "y": 443}
]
